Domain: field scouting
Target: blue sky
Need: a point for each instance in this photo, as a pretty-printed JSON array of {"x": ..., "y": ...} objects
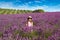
[{"x": 47, "y": 5}]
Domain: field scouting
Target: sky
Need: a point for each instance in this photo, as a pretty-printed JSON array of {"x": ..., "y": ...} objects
[{"x": 47, "y": 5}]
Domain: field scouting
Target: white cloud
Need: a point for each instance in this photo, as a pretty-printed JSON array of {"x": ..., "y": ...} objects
[
  {"x": 17, "y": 1},
  {"x": 48, "y": 8},
  {"x": 53, "y": 8},
  {"x": 29, "y": 2},
  {"x": 38, "y": 1},
  {"x": 6, "y": 5},
  {"x": 10, "y": 5}
]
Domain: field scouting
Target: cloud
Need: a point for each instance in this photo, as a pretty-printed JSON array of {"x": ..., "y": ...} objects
[
  {"x": 54, "y": 8},
  {"x": 10, "y": 5},
  {"x": 29, "y": 2},
  {"x": 6, "y": 5},
  {"x": 48, "y": 8},
  {"x": 26, "y": 7},
  {"x": 17, "y": 0},
  {"x": 38, "y": 1}
]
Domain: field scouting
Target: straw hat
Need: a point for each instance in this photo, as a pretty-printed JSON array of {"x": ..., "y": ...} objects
[{"x": 30, "y": 17}]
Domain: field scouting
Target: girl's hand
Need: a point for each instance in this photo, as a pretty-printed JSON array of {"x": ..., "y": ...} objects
[{"x": 26, "y": 24}]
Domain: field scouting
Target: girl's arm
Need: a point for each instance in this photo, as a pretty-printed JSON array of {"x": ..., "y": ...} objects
[
  {"x": 26, "y": 24},
  {"x": 33, "y": 23}
]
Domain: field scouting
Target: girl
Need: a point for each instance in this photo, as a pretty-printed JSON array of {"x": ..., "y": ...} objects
[{"x": 29, "y": 22}]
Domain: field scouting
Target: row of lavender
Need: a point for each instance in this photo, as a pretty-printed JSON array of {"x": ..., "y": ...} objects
[{"x": 46, "y": 27}]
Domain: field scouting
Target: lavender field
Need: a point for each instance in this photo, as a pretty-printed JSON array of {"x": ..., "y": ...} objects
[{"x": 46, "y": 26}]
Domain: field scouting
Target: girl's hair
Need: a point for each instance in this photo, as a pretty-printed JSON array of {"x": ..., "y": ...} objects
[{"x": 29, "y": 18}]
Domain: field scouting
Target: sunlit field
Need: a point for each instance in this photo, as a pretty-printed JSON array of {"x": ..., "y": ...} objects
[
  {"x": 13, "y": 11},
  {"x": 12, "y": 27}
]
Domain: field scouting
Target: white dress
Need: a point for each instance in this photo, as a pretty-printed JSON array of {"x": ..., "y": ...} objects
[{"x": 30, "y": 24}]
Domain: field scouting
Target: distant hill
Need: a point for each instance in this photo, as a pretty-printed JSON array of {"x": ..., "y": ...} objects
[
  {"x": 39, "y": 11},
  {"x": 13, "y": 11}
]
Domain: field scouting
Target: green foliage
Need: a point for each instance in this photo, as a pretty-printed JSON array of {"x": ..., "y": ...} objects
[
  {"x": 21, "y": 33},
  {"x": 30, "y": 35},
  {"x": 47, "y": 34},
  {"x": 14, "y": 11},
  {"x": 1, "y": 34},
  {"x": 39, "y": 10},
  {"x": 16, "y": 32},
  {"x": 24, "y": 34},
  {"x": 34, "y": 33}
]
